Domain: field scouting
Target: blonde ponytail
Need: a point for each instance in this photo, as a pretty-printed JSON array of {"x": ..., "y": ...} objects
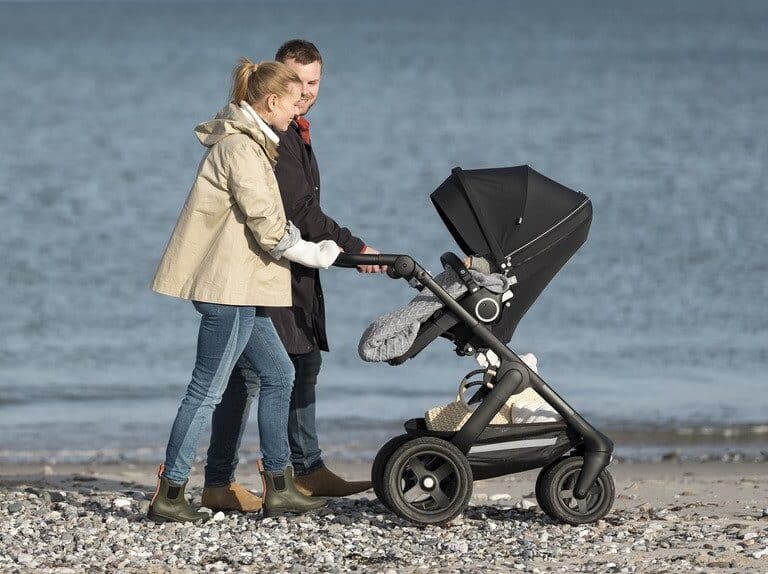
[
  {"x": 253, "y": 82},
  {"x": 240, "y": 76}
]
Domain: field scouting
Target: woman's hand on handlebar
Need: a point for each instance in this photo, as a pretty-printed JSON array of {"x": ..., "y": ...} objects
[{"x": 371, "y": 268}]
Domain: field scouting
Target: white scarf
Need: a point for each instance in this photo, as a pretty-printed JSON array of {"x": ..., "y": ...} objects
[{"x": 250, "y": 113}]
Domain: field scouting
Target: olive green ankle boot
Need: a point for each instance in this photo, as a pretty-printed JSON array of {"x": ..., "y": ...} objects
[
  {"x": 281, "y": 495},
  {"x": 170, "y": 505}
]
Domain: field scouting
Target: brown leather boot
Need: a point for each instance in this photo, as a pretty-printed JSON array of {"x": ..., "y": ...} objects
[
  {"x": 323, "y": 482},
  {"x": 230, "y": 497}
]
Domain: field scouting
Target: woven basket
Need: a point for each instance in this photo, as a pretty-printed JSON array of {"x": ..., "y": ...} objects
[
  {"x": 525, "y": 407},
  {"x": 452, "y": 416}
]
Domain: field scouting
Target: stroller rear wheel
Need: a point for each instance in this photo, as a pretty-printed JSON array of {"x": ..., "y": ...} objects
[
  {"x": 554, "y": 491},
  {"x": 427, "y": 481},
  {"x": 380, "y": 463}
]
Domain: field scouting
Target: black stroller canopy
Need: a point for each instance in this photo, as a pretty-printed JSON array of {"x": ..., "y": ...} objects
[
  {"x": 527, "y": 225},
  {"x": 495, "y": 212}
]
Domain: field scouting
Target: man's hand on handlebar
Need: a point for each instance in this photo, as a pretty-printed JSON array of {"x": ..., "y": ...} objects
[{"x": 371, "y": 268}]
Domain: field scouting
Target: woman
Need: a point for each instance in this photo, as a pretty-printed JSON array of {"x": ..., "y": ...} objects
[{"x": 228, "y": 255}]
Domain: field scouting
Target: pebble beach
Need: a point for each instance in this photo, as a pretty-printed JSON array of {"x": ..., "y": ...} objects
[
  {"x": 668, "y": 517},
  {"x": 653, "y": 331}
]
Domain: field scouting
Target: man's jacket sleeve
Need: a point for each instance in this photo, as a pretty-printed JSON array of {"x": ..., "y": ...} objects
[{"x": 302, "y": 206}]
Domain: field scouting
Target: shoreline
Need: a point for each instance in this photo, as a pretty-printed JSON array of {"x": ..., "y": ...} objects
[
  {"x": 357, "y": 440},
  {"x": 668, "y": 517}
]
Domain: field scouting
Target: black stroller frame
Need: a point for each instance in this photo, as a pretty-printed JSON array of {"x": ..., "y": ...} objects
[{"x": 426, "y": 476}]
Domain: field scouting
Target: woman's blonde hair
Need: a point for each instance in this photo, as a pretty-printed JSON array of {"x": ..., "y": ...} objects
[{"x": 253, "y": 82}]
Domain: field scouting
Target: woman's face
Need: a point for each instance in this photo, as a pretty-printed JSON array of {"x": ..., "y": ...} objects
[{"x": 286, "y": 107}]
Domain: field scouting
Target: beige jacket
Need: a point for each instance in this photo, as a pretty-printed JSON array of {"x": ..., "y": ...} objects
[{"x": 232, "y": 218}]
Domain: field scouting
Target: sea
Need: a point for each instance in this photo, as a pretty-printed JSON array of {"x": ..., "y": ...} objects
[{"x": 656, "y": 330}]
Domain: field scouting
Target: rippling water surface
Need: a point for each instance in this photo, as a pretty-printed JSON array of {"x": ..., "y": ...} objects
[{"x": 655, "y": 110}]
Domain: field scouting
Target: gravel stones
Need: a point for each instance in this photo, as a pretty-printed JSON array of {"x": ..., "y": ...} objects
[
  {"x": 98, "y": 531},
  {"x": 121, "y": 503},
  {"x": 15, "y": 507},
  {"x": 57, "y": 496}
]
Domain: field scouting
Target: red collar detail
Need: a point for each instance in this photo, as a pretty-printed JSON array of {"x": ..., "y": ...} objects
[{"x": 303, "y": 124}]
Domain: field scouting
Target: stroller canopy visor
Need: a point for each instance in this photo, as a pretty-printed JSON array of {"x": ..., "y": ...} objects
[{"x": 495, "y": 212}]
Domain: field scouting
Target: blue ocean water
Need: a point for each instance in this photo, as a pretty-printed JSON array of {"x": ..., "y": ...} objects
[{"x": 656, "y": 110}]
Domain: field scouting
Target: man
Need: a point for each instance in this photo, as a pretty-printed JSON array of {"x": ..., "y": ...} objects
[{"x": 301, "y": 327}]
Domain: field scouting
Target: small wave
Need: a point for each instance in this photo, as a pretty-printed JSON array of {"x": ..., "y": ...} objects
[
  {"x": 70, "y": 394},
  {"x": 358, "y": 439},
  {"x": 673, "y": 434}
]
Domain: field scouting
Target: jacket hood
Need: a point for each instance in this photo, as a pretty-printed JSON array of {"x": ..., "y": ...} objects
[{"x": 229, "y": 121}]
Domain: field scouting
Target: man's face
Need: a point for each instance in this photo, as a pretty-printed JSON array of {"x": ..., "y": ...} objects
[{"x": 310, "y": 82}]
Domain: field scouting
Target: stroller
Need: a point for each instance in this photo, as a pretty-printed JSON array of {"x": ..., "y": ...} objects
[{"x": 527, "y": 226}]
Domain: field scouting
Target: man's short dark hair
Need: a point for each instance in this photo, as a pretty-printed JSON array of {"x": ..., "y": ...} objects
[{"x": 302, "y": 51}]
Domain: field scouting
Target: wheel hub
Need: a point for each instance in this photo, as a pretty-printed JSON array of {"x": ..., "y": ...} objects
[{"x": 428, "y": 483}]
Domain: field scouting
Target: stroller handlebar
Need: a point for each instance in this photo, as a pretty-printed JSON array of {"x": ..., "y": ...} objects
[
  {"x": 353, "y": 260},
  {"x": 398, "y": 266}
]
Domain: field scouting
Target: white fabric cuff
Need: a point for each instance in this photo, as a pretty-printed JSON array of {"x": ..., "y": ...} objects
[
  {"x": 319, "y": 255},
  {"x": 292, "y": 237}
]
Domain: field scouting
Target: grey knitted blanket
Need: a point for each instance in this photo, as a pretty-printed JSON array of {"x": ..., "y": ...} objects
[{"x": 392, "y": 334}]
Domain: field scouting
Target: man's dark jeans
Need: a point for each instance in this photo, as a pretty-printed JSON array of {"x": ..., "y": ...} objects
[{"x": 231, "y": 415}]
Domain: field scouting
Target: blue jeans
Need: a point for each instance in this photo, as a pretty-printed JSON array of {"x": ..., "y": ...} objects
[
  {"x": 228, "y": 332},
  {"x": 231, "y": 415}
]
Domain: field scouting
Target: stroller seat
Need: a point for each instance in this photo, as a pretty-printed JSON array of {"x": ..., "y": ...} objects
[{"x": 526, "y": 245}]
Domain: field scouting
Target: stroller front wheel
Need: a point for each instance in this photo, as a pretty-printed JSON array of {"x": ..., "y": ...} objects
[
  {"x": 554, "y": 491},
  {"x": 539, "y": 489},
  {"x": 427, "y": 481}
]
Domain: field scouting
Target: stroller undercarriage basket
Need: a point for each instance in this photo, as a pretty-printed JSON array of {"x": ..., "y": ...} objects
[{"x": 507, "y": 449}]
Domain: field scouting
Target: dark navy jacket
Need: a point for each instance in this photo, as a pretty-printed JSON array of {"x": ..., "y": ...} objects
[{"x": 302, "y": 326}]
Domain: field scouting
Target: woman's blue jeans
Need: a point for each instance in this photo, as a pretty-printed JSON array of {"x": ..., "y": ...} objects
[
  {"x": 231, "y": 415},
  {"x": 226, "y": 333}
]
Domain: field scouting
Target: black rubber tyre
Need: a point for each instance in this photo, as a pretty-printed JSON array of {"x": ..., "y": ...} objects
[
  {"x": 539, "y": 481},
  {"x": 380, "y": 463},
  {"x": 427, "y": 481},
  {"x": 556, "y": 493}
]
